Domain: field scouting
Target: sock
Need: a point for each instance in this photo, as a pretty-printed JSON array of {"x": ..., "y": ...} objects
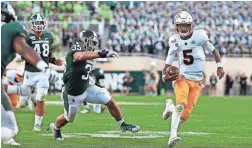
[
  {"x": 86, "y": 106},
  {"x": 176, "y": 119},
  {"x": 120, "y": 122},
  {"x": 55, "y": 127},
  {"x": 6, "y": 134},
  {"x": 38, "y": 119}
]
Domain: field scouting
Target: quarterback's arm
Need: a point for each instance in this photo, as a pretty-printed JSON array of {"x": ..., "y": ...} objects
[
  {"x": 28, "y": 53},
  {"x": 168, "y": 63},
  {"x": 209, "y": 46}
]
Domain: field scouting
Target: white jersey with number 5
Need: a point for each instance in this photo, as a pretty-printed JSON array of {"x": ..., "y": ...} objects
[{"x": 191, "y": 56}]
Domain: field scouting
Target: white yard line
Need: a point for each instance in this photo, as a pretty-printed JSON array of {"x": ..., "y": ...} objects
[
  {"x": 60, "y": 103},
  {"x": 119, "y": 134}
]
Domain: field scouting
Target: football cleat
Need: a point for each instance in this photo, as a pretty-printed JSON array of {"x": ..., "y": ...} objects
[
  {"x": 56, "y": 132},
  {"x": 169, "y": 107},
  {"x": 11, "y": 142},
  {"x": 85, "y": 111},
  {"x": 173, "y": 141},
  {"x": 36, "y": 128},
  {"x": 129, "y": 127}
]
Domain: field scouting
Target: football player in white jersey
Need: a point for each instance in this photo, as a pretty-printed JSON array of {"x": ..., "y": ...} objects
[{"x": 189, "y": 45}]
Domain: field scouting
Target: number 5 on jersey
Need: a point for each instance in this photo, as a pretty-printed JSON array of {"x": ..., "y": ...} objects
[{"x": 188, "y": 57}]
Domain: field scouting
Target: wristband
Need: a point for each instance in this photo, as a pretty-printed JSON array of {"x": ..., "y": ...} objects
[
  {"x": 103, "y": 53},
  {"x": 220, "y": 65},
  {"x": 41, "y": 65}
]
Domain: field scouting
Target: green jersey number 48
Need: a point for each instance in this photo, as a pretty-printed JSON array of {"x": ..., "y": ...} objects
[{"x": 45, "y": 50}]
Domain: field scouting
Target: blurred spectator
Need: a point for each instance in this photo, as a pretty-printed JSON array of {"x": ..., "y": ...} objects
[
  {"x": 146, "y": 83},
  {"x": 236, "y": 85},
  {"x": 213, "y": 83},
  {"x": 243, "y": 84},
  {"x": 250, "y": 84},
  {"x": 127, "y": 79},
  {"x": 152, "y": 80},
  {"x": 228, "y": 84}
]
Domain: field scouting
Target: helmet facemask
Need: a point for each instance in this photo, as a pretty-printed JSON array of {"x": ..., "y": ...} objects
[
  {"x": 38, "y": 23},
  {"x": 88, "y": 43},
  {"x": 184, "y": 29}
]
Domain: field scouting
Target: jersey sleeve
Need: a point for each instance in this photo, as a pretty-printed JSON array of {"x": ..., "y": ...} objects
[
  {"x": 73, "y": 49},
  {"x": 51, "y": 40},
  {"x": 202, "y": 36},
  {"x": 208, "y": 46},
  {"x": 172, "y": 50},
  {"x": 20, "y": 30}
]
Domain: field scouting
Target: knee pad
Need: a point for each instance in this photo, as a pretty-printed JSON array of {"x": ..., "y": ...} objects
[
  {"x": 42, "y": 88},
  {"x": 71, "y": 114},
  {"x": 41, "y": 94},
  {"x": 107, "y": 96}
]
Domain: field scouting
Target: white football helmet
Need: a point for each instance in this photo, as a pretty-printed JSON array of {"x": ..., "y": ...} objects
[{"x": 184, "y": 23}]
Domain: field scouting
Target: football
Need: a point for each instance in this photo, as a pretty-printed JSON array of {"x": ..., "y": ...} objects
[{"x": 172, "y": 70}]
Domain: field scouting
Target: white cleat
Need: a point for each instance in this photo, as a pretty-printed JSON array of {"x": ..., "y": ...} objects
[
  {"x": 169, "y": 107},
  {"x": 173, "y": 141},
  {"x": 85, "y": 111},
  {"x": 11, "y": 142},
  {"x": 36, "y": 128}
]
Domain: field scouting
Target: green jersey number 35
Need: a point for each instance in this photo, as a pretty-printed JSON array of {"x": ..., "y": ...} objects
[{"x": 88, "y": 68}]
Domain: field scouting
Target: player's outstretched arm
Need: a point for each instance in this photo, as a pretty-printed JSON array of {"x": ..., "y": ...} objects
[
  {"x": 89, "y": 55},
  {"x": 83, "y": 56},
  {"x": 28, "y": 53}
]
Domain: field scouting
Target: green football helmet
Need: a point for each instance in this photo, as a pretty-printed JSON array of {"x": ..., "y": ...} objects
[
  {"x": 7, "y": 13},
  {"x": 88, "y": 40},
  {"x": 37, "y": 22}
]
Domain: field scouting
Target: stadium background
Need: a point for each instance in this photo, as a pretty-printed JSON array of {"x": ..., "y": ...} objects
[{"x": 139, "y": 31}]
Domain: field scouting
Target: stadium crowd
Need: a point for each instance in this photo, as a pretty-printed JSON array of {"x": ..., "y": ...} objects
[{"x": 147, "y": 26}]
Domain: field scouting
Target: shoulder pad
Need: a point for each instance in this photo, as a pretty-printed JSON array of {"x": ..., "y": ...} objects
[
  {"x": 173, "y": 40},
  {"x": 201, "y": 35}
]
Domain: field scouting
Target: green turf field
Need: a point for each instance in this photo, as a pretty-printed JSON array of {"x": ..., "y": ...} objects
[{"x": 214, "y": 123}]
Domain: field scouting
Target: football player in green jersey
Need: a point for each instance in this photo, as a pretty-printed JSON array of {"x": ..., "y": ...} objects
[
  {"x": 42, "y": 42},
  {"x": 13, "y": 40},
  {"x": 77, "y": 86}
]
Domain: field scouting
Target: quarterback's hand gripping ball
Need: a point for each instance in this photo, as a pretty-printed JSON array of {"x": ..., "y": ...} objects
[{"x": 171, "y": 74}]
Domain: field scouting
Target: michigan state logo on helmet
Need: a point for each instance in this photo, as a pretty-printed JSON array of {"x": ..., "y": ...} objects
[
  {"x": 37, "y": 22},
  {"x": 88, "y": 40}
]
